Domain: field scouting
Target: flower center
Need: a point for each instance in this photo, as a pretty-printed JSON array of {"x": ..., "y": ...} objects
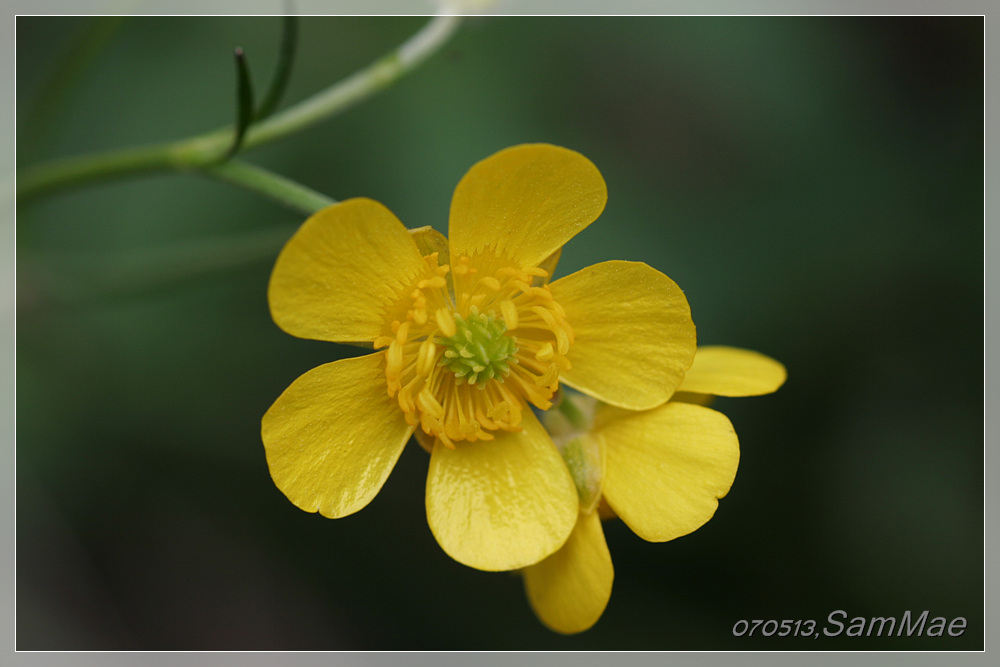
[
  {"x": 480, "y": 350},
  {"x": 453, "y": 362}
]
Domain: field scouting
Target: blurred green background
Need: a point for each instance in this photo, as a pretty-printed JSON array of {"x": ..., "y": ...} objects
[{"x": 815, "y": 185}]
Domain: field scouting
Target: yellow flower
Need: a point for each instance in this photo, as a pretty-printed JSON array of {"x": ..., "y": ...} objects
[
  {"x": 469, "y": 334},
  {"x": 661, "y": 471}
]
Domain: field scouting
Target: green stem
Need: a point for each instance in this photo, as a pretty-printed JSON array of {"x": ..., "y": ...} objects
[
  {"x": 359, "y": 85},
  {"x": 209, "y": 149},
  {"x": 272, "y": 185},
  {"x": 572, "y": 412},
  {"x": 66, "y": 173}
]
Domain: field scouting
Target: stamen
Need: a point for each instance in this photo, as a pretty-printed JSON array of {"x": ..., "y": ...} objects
[
  {"x": 509, "y": 311},
  {"x": 499, "y": 411},
  {"x": 402, "y": 332},
  {"x": 445, "y": 321},
  {"x": 394, "y": 358},
  {"x": 545, "y": 352},
  {"x": 443, "y": 342},
  {"x": 546, "y": 316},
  {"x": 562, "y": 338},
  {"x": 426, "y": 357},
  {"x": 550, "y": 377},
  {"x": 430, "y": 404}
]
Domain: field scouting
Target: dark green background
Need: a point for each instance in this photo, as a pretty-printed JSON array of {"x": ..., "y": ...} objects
[{"x": 815, "y": 185}]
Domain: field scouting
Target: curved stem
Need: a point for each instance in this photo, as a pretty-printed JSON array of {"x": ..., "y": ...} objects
[
  {"x": 209, "y": 149},
  {"x": 70, "y": 172},
  {"x": 360, "y": 85},
  {"x": 284, "y": 190}
]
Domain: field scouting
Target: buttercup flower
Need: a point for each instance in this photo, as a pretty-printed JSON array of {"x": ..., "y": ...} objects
[
  {"x": 469, "y": 333},
  {"x": 662, "y": 471}
]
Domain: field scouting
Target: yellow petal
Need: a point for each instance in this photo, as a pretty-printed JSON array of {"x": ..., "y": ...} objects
[
  {"x": 501, "y": 504},
  {"x": 341, "y": 268},
  {"x": 634, "y": 337},
  {"x": 334, "y": 435},
  {"x": 525, "y": 202},
  {"x": 570, "y": 589},
  {"x": 730, "y": 371},
  {"x": 667, "y": 467}
]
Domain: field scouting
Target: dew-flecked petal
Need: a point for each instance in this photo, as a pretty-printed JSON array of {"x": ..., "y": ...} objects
[
  {"x": 344, "y": 265},
  {"x": 525, "y": 202},
  {"x": 634, "y": 337},
  {"x": 501, "y": 504},
  {"x": 334, "y": 435}
]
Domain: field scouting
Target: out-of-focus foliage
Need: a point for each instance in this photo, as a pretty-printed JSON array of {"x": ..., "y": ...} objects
[{"x": 813, "y": 184}]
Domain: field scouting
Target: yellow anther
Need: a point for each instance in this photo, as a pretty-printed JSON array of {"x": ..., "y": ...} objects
[
  {"x": 545, "y": 352},
  {"x": 406, "y": 397},
  {"x": 509, "y": 312},
  {"x": 394, "y": 360},
  {"x": 544, "y": 313},
  {"x": 499, "y": 411},
  {"x": 426, "y": 357},
  {"x": 521, "y": 285},
  {"x": 420, "y": 316},
  {"x": 429, "y": 404},
  {"x": 443, "y": 439},
  {"x": 537, "y": 271},
  {"x": 562, "y": 339},
  {"x": 436, "y": 281},
  {"x": 445, "y": 321},
  {"x": 551, "y": 376},
  {"x": 492, "y": 283},
  {"x": 543, "y": 293},
  {"x": 403, "y": 332},
  {"x": 463, "y": 268},
  {"x": 382, "y": 341}
]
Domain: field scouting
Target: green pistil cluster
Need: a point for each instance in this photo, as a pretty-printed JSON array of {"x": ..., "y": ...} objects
[{"x": 480, "y": 350}]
